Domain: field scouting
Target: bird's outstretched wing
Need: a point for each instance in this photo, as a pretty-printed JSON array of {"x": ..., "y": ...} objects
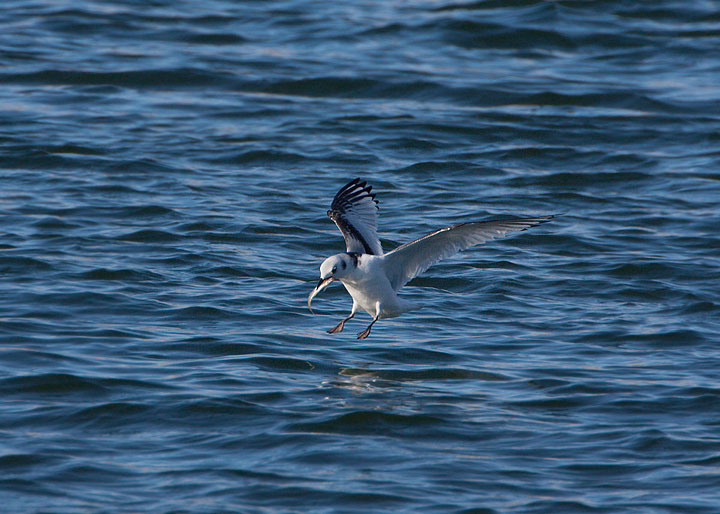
[
  {"x": 354, "y": 210},
  {"x": 409, "y": 260}
]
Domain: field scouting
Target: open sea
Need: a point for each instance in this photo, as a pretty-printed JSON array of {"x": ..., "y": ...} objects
[{"x": 165, "y": 171}]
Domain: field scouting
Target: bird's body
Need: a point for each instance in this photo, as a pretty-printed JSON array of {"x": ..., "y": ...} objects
[
  {"x": 373, "y": 278},
  {"x": 369, "y": 286}
]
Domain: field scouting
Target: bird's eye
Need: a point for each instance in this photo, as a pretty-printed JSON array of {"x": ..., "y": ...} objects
[{"x": 334, "y": 269}]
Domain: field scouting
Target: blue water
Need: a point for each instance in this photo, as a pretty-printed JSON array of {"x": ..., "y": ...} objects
[{"x": 165, "y": 169}]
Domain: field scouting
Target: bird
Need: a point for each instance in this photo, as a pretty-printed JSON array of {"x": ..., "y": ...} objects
[{"x": 372, "y": 277}]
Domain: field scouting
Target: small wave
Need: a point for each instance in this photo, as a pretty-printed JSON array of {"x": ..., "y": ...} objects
[
  {"x": 64, "y": 383},
  {"x": 157, "y": 78},
  {"x": 52, "y": 383},
  {"x": 282, "y": 363},
  {"x": 585, "y": 179},
  {"x": 214, "y": 347},
  {"x": 474, "y": 34},
  {"x": 368, "y": 422},
  {"x": 111, "y": 415},
  {"x": 426, "y": 374},
  {"x": 9, "y": 264},
  {"x": 199, "y": 313},
  {"x": 213, "y": 39},
  {"x": 644, "y": 270},
  {"x": 702, "y": 307},
  {"x": 18, "y": 462},
  {"x": 55, "y": 223},
  {"x": 257, "y": 157},
  {"x": 123, "y": 275},
  {"x": 145, "y": 211},
  {"x": 150, "y": 236}
]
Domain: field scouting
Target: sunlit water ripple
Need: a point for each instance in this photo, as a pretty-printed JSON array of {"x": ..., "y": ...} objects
[{"x": 165, "y": 174}]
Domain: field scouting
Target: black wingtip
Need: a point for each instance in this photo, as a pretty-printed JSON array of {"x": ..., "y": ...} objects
[{"x": 356, "y": 190}]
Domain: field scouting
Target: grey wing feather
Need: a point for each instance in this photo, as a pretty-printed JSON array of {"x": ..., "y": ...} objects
[
  {"x": 354, "y": 210},
  {"x": 409, "y": 260}
]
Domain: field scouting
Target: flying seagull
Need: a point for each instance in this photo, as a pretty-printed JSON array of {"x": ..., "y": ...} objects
[{"x": 373, "y": 278}]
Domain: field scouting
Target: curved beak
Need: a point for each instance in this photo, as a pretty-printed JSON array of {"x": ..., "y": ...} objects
[{"x": 324, "y": 282}]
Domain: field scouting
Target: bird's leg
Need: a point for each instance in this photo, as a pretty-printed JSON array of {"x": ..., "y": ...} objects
[
  {"x": 366, "y": 332},
  {"x": 339, "y": 327}
]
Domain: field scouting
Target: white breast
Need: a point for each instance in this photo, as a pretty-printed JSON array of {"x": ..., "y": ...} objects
[{"x": 369, "y": 284}]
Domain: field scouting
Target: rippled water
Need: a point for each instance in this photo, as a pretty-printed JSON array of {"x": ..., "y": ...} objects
[{"x": 166, "y": 168}]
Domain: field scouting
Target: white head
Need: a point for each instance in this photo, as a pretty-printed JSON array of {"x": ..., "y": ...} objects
[
  {"x": 337, "y": 266},
  {"x": 333, "y": 268}
]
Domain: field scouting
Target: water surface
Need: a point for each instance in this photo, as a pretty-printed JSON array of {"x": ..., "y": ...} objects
[{"x": 165, "y": 172}]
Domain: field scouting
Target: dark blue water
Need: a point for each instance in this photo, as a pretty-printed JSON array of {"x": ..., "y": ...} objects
[{"x": 165, "y": 172}]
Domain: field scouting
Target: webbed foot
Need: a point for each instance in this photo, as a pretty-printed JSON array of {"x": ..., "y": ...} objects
[
  {"x": 337, "y": 328},
  {"x": 366, "y": 332}
]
